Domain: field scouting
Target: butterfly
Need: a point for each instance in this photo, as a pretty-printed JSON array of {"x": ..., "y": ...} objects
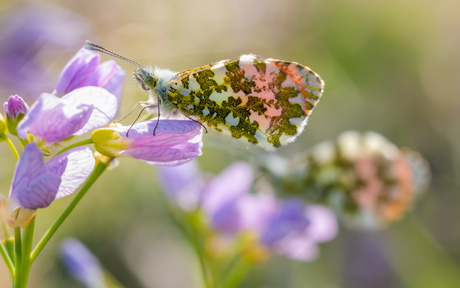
[{"x": 265, "y": 102}]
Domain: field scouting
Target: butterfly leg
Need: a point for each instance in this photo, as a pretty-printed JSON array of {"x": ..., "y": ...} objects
[
  {"x": 196, "y": 121},
  {"x": 158, "y": 117},
  {"x": 144, "y": 105}
]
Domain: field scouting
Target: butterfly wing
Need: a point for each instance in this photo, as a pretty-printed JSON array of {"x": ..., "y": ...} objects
[{"x": 265, "y": 101}]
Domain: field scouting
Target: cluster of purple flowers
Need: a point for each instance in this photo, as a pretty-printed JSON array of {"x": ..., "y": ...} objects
[
  {"x": 90, "y": 93},
  {"x": 286, "y": 227}
]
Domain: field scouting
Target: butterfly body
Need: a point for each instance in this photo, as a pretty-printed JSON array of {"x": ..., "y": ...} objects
[{"x": 264, "y": 101}]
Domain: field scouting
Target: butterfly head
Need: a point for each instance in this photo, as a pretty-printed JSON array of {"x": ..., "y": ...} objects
[{"x": 145, "y": 78}]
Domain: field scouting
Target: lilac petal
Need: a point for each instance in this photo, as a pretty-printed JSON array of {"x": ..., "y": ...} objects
[
  {"x": 75, "y": 73},
  {"x": 40, "y": 192},
  {"x": 234, "y": 182},
  {"x": 290, "y": 219},
  {"x": 175, "y": 142},
  {"x": 109, "y": 76},
  {"x": 297, "y": 248},
  {"x": 27, "y": 33},
  {"x": 222, "y": 195},
  {"x": 322, "y": 226},
  {"x": 256, "y": 211},
  {"x": 29, "y": 166},
  {"x": 182, "y": 184},
  {"x": 175, "y": 179},
  {"x": 81, "y": 263},
  {"x": 73, "y": 166},
  {"x": 105, "y": 106},
  {"x": 50, "y": 119},
  {"x": 322, "y": 223}
]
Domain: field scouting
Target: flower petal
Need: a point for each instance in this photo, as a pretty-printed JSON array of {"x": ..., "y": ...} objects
[
  {"x": 76, "y": 71},
  {"x": 29, "y": 166},
  {"x": 234, "y": 182},
  {"x": 182, "y": 184},
  {"x": 175, "y": 142},
  {"x": 222, "y": 195},
  {"x": 52, "y": 120},
  {"x": 322, "y": 223},
  {"x": 105, "y": 106},
  {"x": 82, "y": 264},
  {"x": 40, "y": 192},
  {"x": 109, "y": 76},
  {"x": 290, "y": 219},
  {"x": 73, "y": 166}
]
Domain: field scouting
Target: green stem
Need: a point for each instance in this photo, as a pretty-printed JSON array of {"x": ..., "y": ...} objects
[
  {"x": 193, "y": 231},
  {"x": 27, "y": 242},
  {"x": 9, "y": 245},
  {"x": 100, "y": 167},
  {"x": 7, "y": 258},
  {"x": 238, "y": 272},
  {"x": 11, "y": 145},
  {"x": 18, "y": 257},
  {"x": 77, "y": 144}
]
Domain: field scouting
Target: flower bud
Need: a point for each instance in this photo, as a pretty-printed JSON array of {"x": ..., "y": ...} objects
[{"x": 15, "y": 109}]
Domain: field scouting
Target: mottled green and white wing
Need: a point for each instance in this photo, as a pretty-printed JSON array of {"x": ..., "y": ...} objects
[{"x": 265, "y": 101}]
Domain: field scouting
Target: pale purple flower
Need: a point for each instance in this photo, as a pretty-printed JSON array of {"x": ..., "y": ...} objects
[
  {"x": 301, "y": 244},
  {"x": 28, "y": 34},
  {"x": 15, "y": 107},
  {"x": 221, "y": 197},
  {"x": 54, "y": 119},
  {"x": 175, "y": 141},
  {"x": 84, "y": 70},
  {"x": 287, "y": 227},
  {"x": 289, "y": 218},
  {"x": 82, "y": 264},
  {"x": 182, "y": 184},
  {"x": 36, "y": 184}
]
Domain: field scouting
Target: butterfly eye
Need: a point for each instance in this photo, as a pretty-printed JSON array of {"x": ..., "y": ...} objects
[{"x": 150, "y": 81}]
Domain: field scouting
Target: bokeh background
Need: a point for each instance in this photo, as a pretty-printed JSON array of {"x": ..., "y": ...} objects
[{"x": 390, "y": 66}]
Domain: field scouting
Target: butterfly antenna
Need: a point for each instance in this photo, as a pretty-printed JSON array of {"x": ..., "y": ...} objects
[{"x": 94, "y": 47}]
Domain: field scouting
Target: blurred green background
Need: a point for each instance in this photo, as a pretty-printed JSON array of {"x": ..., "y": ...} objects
[{"x": 389, "y": 66}]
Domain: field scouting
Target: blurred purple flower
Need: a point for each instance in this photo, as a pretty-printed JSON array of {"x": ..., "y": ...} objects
[
  {"x": 221, "y": 197},
  {"x": 301, "y": 245},
  {"x": 175, "y": 141},
  {"x": 84, "y": 70},
  {"x": 24, "y": 33},
  {"x": 82, "y": 264},
  {"x": 287, "y": 227},
  {"x": 36, "y": 184},
  {"x": 54, "y": 119},
  {"x": 182, "y": 184}
]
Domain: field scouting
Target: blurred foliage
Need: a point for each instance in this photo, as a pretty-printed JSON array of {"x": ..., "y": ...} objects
[{"x": 389, "y": 66}]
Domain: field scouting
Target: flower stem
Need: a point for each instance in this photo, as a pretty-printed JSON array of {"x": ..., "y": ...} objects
[
  {"x": 11, "y": 145},
  {"x": 17, "y": 257},
  {"x": 77, "y": 144},
  {"x": 7, "y": 258},
  {"x": 27, "y": 242},
  {"x": 100, "y": 167},
  {"x": 238, "y": 272}
]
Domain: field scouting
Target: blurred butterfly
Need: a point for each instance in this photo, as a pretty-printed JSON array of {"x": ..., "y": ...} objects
[{"x": 263, "y": 101}]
